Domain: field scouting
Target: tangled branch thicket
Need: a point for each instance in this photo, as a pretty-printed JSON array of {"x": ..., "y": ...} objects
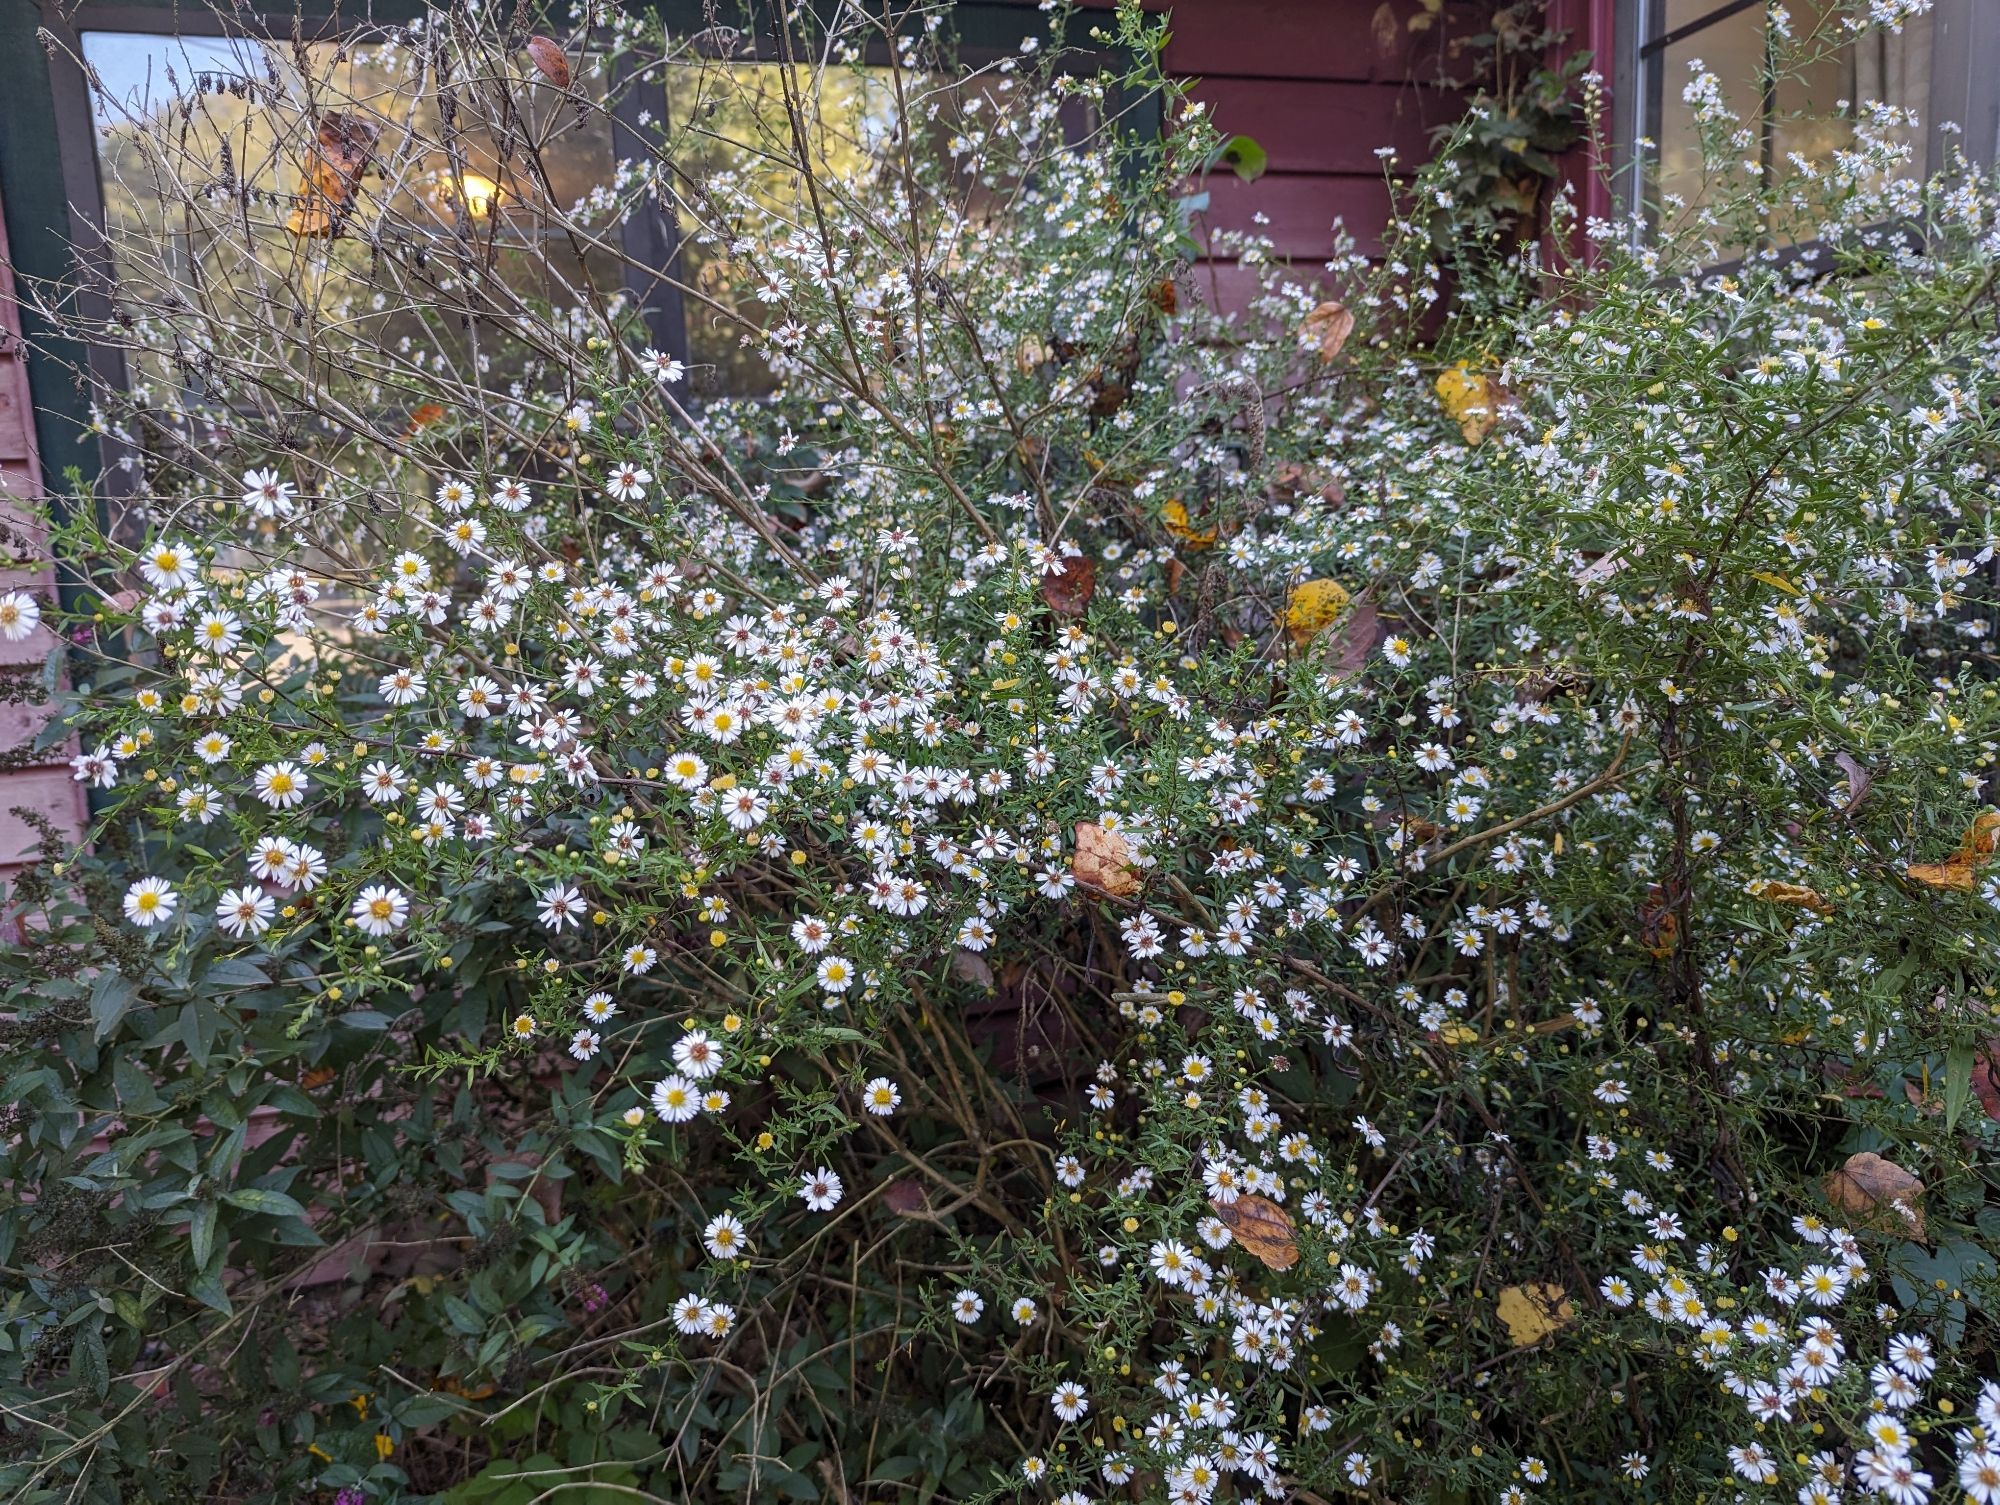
[{"x": 1016, "y": 887}]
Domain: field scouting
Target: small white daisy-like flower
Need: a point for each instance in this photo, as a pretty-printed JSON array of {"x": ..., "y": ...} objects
[
  {"x": 245, "y": 911},
  {"x": 266, "y": 494},
  {"x": 675, "y": 1099},
  {"x": 820, "y": 1190},
  {"x": 282, "y": 786},
  {"x": 380, "y": 909},
  {"x": 724, "y": 1236},
  {"x": 20, "y": 615},
  {"x": 150, "y": 902},
  {"x": 881, "y": 1097}
]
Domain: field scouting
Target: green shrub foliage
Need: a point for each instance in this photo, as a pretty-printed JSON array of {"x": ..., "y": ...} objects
[{"x": 1013, "y": 887}]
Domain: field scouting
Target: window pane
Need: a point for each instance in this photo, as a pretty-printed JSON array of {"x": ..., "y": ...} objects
[
  {"x": 1825, "y": 75},
  {"x": 1681, "y": 13},
  {"x": 205, "y": 147},
  {"x": 1896, "y": 70},
  {"x": 1733, "y": 50},
  {"x": 729, "y": 141}
]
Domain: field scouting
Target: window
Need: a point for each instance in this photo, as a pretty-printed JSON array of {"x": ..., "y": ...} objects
[
  {"x": 717, "y": 117},
  {"x": 1944, "y": 65},
  {"x": 181, "y": 120}
]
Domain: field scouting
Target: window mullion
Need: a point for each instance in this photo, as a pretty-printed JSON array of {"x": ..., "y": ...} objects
[{"x": 650, "y": 233}]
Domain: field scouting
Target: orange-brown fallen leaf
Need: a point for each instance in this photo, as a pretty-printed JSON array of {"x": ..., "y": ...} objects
[
  {"x": 1104, "y": 862},
  {"x": 1179, "y": 523},
  {"x": 1262, "y": 1227},
  {"x": 549, "y": 61},
  {"x": 1878, "y": 1194},
  {"x": 340, "y": 154},
  {"x": 1326, "y": 328},
  {"x": 1792, "y": 895},
  {"x": 1659, "y": 926},
  {"x": 1975, "y": 850}
]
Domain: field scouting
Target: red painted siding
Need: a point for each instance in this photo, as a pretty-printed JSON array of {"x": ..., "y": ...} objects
[
  {"x": 1320, "y": 85},
  {"x": 44, "y": 785},
  {"x": 1587, "y": 26}
]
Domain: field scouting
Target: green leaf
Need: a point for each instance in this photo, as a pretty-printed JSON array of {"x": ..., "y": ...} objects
[
  {"x": 207, "y": 1289},
  {"x": 1957, "y": 1084},
  {"x": 262, "y": 1199},
  {"x": 201, "y": 1233},
  {"x": 198, "y": 1021},
  {"x": 232, "y": 974},
  {"x": 113, "y": 995},
  {"x": 87, "y": 1364},
  {"x": 1245, "y": 157}
]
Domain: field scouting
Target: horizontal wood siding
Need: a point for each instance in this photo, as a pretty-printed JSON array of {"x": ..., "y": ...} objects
[
  {"x": 1320, "y": 85},
  {"x": 43, "y": 783}
]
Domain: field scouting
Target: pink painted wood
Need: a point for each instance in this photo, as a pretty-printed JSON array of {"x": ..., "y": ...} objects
[
  {"x": 44, "y": 786},
  {"x": 1586, "y": 26}
]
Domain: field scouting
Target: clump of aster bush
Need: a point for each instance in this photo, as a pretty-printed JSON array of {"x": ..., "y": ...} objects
[{"x": 1088, "y": 900}]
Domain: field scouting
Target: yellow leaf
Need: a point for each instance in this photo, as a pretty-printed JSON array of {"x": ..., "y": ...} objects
[
  {"x": 1313, "y": 606},
  {"x": 1471, "y": 399},
  {"x": 1532, "y": 1312},
  {"x": 1793, "y": 895},
  {"x": 1975, "y": 849},
  {"x": 1777, "y": 581},
  {"x": 1175, "y": 515}
]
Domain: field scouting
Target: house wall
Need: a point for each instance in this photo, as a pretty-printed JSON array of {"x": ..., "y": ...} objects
[
  {"x": 40, "y": 783},
  {"x": 1320, "y": 84}
]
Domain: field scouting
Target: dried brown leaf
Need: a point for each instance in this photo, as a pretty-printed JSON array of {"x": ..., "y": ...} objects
[
  {"x": 1878, "y": 1194},
  {"x": 1104, "y": 862},
  {"x": 1387, "y": 29},
  {"x": 549, "y": 61},
  {"x": 1068, "y": 593},
  {"x": 1859, "y": 782},
  {"x": 1327, "y": 328},
  {"x": 1262, "y": 1227},
  {"x": 341, "y": 151}
]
